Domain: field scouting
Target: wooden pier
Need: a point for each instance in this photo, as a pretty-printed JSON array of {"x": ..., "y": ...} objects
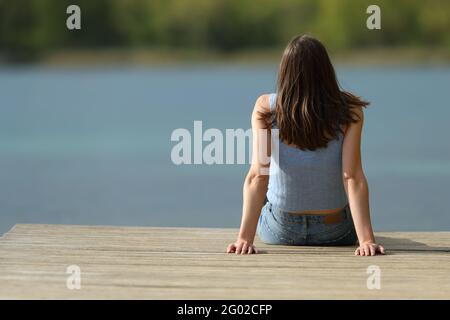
[{"x": 191, "y": 263}]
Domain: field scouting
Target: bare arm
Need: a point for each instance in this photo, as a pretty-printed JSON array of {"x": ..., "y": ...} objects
[
  {"x": 255, "y": 184},
  {"x": 355, "y": 184}
]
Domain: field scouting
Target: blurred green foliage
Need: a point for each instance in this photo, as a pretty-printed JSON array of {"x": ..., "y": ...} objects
[{"x": 30, "y": 28}]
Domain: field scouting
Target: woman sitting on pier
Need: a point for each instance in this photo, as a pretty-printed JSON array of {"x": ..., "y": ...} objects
[{"x": 316, "y": 192}]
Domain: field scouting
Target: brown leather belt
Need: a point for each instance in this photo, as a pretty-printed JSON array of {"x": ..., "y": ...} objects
[
  {"x": 321, "y": 212},
  {"x": 333, "y": 216}
]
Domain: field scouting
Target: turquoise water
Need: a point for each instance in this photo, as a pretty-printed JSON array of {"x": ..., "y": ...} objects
[{"x": 92, "y": 146}]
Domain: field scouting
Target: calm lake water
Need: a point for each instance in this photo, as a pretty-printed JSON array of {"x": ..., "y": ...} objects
[{"x": 92, "y": 146}]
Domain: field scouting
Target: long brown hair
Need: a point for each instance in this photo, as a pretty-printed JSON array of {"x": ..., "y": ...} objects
[{"x": 310, "y": 107}]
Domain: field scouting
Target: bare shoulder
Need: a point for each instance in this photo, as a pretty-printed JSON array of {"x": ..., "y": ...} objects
[
  {"x": 260, "y": 111},
  {"x": 355, "y": 126},
  {"x": 262, "y": 103},
  {"x": 359, "y": 112}
]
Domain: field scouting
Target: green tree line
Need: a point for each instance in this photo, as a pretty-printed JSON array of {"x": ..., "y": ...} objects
[{"x": 31, "y": 28}]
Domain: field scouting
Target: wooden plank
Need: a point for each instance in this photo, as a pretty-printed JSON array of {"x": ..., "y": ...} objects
[{"x": 190, "y": 263}]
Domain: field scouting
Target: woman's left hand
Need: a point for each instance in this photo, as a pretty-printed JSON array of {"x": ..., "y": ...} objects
[
  {"x": 369, "y": 249},
  {"x": 242, "y": 247}
]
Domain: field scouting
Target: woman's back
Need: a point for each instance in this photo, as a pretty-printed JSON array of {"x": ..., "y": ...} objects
[
  {"x": 316, "y": 183},
  {"x": 303, "y": 180}
]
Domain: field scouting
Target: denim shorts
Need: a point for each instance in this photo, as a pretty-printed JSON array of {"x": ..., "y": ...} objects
[{"x": 276, "y": 226}]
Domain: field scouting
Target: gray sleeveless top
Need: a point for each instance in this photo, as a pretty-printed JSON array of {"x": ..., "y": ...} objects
[{"x": 306, "y": 180}]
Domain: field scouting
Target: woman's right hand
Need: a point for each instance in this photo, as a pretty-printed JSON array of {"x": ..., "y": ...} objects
[
  {"x": 242, "y": 246},
  {"x": 369, "y": 248}
]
